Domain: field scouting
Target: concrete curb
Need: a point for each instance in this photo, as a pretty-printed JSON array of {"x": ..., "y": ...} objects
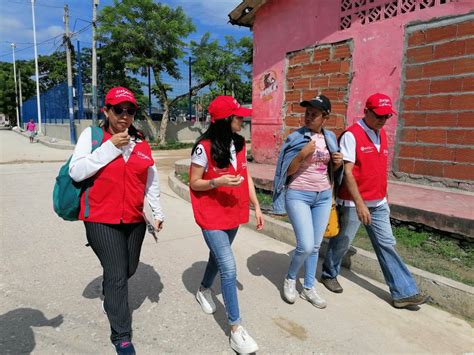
[
  {"x": 453, "y": 296},
  {"x": 43, "y": 140}
]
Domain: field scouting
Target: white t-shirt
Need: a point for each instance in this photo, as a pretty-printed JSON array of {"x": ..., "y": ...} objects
[
  {"x": 85, "y": 164},
  {"x": 348, "y": 150},
  {"x": 199, "y": 156}
]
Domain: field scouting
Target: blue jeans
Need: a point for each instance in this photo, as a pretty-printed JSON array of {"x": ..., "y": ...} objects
[
  {"x": 309, "y": 214},
  {"x": 221, "y": 258},
  {"x": 396, "y": 274}
]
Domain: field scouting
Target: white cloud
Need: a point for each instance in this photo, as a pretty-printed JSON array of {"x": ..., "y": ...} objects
[{"x": 211, "y": 12}]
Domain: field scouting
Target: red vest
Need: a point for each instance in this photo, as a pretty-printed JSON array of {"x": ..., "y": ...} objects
[
  {"x": 223, "y": 207},
  {"x": 119, "y": 188},
  {"x": 370, "y": 167}
]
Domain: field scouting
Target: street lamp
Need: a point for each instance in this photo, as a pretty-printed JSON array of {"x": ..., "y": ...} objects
[
  {"x": 38, "y": 104},
  {"x": 16, "y": 91}
]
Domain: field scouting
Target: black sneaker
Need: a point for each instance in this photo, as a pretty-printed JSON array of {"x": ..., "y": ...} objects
[
  {"x": 411, "y": 301},
  {"x": 332, "y": 284},
  {"x": 124, "y": 347}
]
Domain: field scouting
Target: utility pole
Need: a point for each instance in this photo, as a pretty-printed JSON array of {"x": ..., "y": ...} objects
[
  {"x": 80, "y": 98},
  {"x": 21, "y": 96},
  {"x": 95, "y": 3},
  {"x": 38, "y": 103},
  {"x": 149, "y": 91},
  {"x": 67, "y": 43},
  {"x": 190, "y": 93},
  {"x": 16, "y": 91}
]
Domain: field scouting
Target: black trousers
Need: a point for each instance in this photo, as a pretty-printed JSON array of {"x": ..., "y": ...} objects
[{"x": 118, "y": 248}]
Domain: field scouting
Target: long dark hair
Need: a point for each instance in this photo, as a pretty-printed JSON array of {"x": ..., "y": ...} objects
[
  {"x": 220, "y": 134},
  {"x": 132, "y": 131}
]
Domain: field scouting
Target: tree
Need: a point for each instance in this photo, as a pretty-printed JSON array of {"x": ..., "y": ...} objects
[
  {"x": 7, "y": 87},
  {"x": 226, "y": 68},
  {"x": 142, "y": 34}
]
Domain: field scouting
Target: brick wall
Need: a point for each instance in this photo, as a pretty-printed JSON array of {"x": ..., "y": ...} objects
[
  {"x": 436, "y": 136},
  {"x": 323, "y": 70}
]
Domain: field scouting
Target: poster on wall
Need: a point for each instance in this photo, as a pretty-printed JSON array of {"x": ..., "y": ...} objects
[{"x": 267, "y": 85}]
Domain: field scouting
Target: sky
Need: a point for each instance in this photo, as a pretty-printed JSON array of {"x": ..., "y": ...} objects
[{"x": 16, "y": 23}]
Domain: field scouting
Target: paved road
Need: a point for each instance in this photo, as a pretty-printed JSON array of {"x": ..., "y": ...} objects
[{"x": 49, "y": 289}]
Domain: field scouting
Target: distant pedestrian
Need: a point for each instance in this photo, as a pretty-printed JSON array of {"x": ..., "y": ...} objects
[
  {"x": 123, "y": 173},
  {"x": 303, "y": 186},
  {"x": 31, "y": 130},
  {"x": 363, "y": 199},
  {"x": 221, "y": 189}
]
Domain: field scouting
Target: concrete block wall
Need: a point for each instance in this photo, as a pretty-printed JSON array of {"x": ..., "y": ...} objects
[
  {"x": 324, "y": 69},
  {"x": 435, "y": 137}
]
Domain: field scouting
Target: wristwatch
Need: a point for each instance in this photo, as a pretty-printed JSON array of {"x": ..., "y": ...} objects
[{"x": 212, "y": 183}]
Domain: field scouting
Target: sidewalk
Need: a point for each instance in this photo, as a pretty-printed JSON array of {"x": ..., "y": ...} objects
[
  {"x": 48, "y": 141},
  {"x": 451, "y": 295},
  {"x": 443, "y": 209}
]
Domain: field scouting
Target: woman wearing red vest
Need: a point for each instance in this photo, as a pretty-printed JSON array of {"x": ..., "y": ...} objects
[
  {"x": 221, "y": 189},
  {"x": 123, "y": 172}
]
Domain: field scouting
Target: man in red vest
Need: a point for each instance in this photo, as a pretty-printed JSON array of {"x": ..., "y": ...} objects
[{"x": 363, "y": 198}]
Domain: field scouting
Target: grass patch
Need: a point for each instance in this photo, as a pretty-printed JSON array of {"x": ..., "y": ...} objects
[
  {"x": 264, "y": 198},
  {"x": 184, "y": 177},
  {"x": 171, "y": 146},
  {"x": 429, "y": 251}
]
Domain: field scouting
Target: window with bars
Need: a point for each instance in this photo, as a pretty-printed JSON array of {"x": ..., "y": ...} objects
[{"x": 368, "y": 11}]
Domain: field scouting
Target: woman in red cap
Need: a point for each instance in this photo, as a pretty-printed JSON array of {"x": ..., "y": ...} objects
[
  {"x": 221, "y": 189},
  {"x": 122, "y": 173}
]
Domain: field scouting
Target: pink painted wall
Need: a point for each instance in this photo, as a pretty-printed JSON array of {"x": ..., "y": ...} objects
[{"x": 282, "y": 26}]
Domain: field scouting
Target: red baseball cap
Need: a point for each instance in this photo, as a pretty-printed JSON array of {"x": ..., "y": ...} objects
[
  {"x": 224, "y": 106},
  {"x": 379, "y": 103},
  {"x": 120, "y": 94}
]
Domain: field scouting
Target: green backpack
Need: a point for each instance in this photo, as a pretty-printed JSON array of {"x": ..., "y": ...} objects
[{"x": 67, "y": 193}]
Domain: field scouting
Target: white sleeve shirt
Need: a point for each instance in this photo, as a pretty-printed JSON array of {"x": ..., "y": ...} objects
[
  {"x": 347, "y": 144},
  {"x": 85, "y": 163},
  {"x": 199, "y": 156}
]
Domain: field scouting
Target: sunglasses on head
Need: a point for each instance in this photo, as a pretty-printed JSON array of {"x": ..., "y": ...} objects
[
  {"x": 119, "y": 110},
  {"x": 381, "y": 117}
]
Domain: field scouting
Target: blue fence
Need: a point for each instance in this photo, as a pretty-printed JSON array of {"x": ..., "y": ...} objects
[{"x": 54, "y": 106}]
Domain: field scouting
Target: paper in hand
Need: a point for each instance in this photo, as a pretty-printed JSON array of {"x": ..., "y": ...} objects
[{"x": 149, "y": 220}]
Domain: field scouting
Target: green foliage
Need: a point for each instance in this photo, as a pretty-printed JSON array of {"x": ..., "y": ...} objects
[
  {"x": 410, "y": 238},
  {"x": 171, "y": 145},
  {"x": 184, "y": 177},
  {"x": 227, "y": 67},
  {"x": 429, "y": 251},
  {"x": 141, "y": 33},
  {"x": 52, "y": 69},
  {"x": 7, "y": 87},
  {"x": 264, "y": 198}
]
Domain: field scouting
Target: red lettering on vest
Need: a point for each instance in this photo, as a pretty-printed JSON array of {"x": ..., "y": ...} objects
[
  {"x": 119, "y": 188},
  {"x": 223, "y": 207},
  {"x": 370, "y": 167}
]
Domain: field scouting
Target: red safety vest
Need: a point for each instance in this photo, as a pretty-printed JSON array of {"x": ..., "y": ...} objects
[
  {"x": 370, "y": 167},
  {"x": 223, "y": 207},
  {"x": 118, "y": 189}
]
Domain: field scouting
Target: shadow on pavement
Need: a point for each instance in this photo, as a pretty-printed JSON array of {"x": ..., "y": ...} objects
[
  {"x": 192, "y": 278},
  {"x": 274, "y": 267},
  {"x": 16, "y": 333},
  {"x": 146, "y": 283},
  {"x": 271, "y": 265}
]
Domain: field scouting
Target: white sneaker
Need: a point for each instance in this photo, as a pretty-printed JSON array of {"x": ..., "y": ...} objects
[
  {"x": 312, "y": 297},
  {"x": 289, "y": 290},
  {"x": 242, "y": 342},
  {"x": 204, "y": 297}
]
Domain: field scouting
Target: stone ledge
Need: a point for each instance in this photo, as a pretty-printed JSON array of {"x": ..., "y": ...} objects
[
  {"x": 44, "y": 140},
  {"x": 451, "y": 295}
]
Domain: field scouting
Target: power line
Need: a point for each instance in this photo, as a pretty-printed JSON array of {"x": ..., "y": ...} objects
[{"x": 85, "y": 28}]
